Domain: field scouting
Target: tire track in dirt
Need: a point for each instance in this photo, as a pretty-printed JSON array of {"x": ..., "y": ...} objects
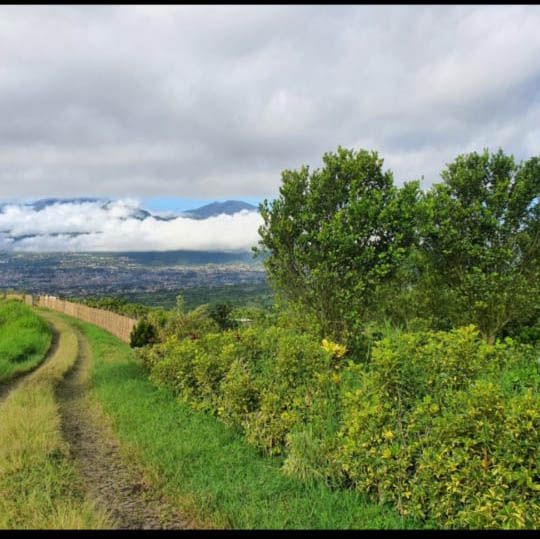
[
  {"x": 131, "y": 503},
  {"x": 7, "y": 387}
]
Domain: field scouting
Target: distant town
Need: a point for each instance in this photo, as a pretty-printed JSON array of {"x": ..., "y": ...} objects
[{"x": 101, "y": 274}]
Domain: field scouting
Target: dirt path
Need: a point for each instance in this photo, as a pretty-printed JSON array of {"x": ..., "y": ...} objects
[
  {"x": 117, "y": 487},
  {"x": 7, "y": 387}
]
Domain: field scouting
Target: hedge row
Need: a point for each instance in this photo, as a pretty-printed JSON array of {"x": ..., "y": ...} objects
[{"x": 442, "y": 425}]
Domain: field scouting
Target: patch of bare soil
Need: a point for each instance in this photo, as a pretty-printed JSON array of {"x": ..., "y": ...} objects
[{"x": 116, "y": 485}]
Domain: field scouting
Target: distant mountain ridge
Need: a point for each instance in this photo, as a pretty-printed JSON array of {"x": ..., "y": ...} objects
[
  {"x": 229, "y": 207},
  {"x": 47, "y": 221}
]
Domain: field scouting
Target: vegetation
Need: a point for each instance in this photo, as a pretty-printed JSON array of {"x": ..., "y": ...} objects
[
  {"x": 482, "y": 239},
  {"x": 24, "y": 339},
  {"x": 253, "y": 295},
  {"x": 215, "y": 477},
  {"x": 334, "y": 234},
  {"x": 445, "y": 425},
  {"x": 117, "y": 305},
  {"x": 428, "y": 404},
  {"x": 40, "y": 488},
  {"x": 143, "y": 333},
  {"x": 221, "y": 314},
  {"x": 341, "y": 241},
  {"x": 393, "y": 383},
  {"x": 401, "y": 358}
]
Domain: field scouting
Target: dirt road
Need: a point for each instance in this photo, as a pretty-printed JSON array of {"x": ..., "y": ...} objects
[{"x": 96, "y": 451}]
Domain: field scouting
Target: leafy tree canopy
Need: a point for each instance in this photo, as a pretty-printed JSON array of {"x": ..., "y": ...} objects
[
  {"x": 482, "y": 237},
  {"x": 335, "y": 233}
]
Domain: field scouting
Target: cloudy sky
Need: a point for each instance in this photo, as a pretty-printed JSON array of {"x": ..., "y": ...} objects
[{"x": 177, "y": 103}]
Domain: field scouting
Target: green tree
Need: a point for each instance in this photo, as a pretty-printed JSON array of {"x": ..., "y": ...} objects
[
  {"x": 482, "y": 237},
  {"x": 221, "y": 314},
  {"x": 334, "y": 234}
]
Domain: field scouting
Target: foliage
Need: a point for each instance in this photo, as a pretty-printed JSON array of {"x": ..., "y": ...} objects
[
  {"x": 239, "y": 295},
  {"x": 482, "y": 238},
  {"x": 427, "y": 404},
  {"x": 178, "y": 323},
  {"x": 527, "y": 329},
  {"x": 117, "y": 305},
  {"x": 446, "y": 427},
  {"x": 257, "y": 380},
  {"x": 207, "y": 468},
  {"x": 143, "y": 333},
  {"x": 221, "y": 313},
  {"x": 335, "y": 349},
  {"x": 334, "y": 234}
]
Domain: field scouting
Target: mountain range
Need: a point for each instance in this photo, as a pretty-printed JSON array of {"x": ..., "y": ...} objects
[
  {"x": 228, "y": 207},
  {"x": 99, "y": 224}
]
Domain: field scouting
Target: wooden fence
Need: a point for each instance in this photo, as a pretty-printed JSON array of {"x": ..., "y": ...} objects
[
  {"x": 12, "y": 295},
  {"x": 120, "y": 326}
]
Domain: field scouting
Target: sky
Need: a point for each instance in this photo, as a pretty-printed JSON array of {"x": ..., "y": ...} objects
[{"x": 179, "y": 105}]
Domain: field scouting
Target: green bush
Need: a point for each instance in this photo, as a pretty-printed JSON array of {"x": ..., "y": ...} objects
[
  {"x": 437, "y": 425},
  {"x": 259, "y": 381},
  {"x": 177, "y": 323},
  {"x": 440, "y": 424},
  {"x": 478, "y": 462},
  {"x": 143, "y": 333},
  {"x": 221, "y": 314}
]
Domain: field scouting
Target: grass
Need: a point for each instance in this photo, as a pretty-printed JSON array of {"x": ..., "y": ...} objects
[
  {"x": 39, "y": 487},
  {"x": 24, "y": 339},
  {"x": 218, "y": 479}
]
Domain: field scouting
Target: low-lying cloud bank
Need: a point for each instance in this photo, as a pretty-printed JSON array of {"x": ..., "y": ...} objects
[{"x": 120, "y": 226}]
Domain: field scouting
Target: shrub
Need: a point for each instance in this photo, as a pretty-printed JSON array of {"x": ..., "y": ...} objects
[
  {"x": 435, "y": 426},
  {"x": 221, "y": 314},
  {"x": 258, "y": 380},
  {"x": 193, "y": 324},
  {"x": 440, "y": 424},
  {"x": 143, "y": 333},
  {"x": 173, "y": 368},
  {"x": 478, "y": 462}
]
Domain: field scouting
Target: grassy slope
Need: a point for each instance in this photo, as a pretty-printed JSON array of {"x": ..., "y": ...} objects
[
  {"x": 24, "y": 339},
  {"x": 38, "y": 486},
  {"x": 218, "y": 479}
]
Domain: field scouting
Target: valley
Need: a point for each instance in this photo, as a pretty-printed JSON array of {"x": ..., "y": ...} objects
[{"x": 146, "y": 274}]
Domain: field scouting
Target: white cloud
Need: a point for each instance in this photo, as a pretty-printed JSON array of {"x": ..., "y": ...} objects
[
  {"x": 215, "y": 101},
  {"x": 94, "y": 226}
]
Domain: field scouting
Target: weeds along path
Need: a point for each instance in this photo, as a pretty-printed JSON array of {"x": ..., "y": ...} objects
[
  {"x": 10, "y": 385},
  {"x": 39, "y": 487},
  {"x": 113, "y": 483}
]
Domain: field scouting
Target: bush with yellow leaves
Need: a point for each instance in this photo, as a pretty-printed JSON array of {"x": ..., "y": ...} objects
[
  {"x": 447, "y": 428},
  {"x": 440, "y": 424}
]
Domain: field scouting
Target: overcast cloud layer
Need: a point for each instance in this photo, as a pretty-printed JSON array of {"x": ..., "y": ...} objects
[
  {"x": 214, "y": 101},
  {"x": 93, "y": 226}
]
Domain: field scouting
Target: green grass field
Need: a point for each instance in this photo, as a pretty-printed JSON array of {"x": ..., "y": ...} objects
[
  {"x": 207, "y": 468},
  {"x": 39, "y": 487},
  {"x": 24, "y": 339}
]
